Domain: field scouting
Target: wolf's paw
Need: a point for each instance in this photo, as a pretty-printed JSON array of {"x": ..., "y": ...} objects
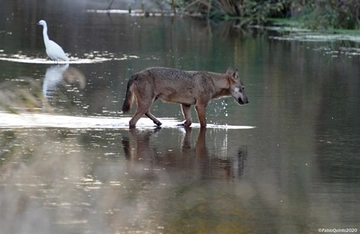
[
  {"x": 158, "y": 123},
  {"x": 185, "y": 124}
]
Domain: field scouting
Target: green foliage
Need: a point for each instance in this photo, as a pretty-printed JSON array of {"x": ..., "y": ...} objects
[
  {"x": 259, "y": 11},
  {"x": 327, "y": 14},
  {"x": 313, "y": 14}
]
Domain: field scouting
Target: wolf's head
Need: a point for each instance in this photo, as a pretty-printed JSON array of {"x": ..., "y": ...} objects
[{"x": 237, "y": 88}]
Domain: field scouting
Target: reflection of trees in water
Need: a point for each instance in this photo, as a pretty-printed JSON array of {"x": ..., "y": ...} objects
[
  {"x": 23, "y": 93},
  {"x": 51, "y": 177},
  {"x": 60, "y": 88}
]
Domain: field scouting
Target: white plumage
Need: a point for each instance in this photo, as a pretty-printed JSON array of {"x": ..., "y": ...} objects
[{"x": 53, "y": 50}]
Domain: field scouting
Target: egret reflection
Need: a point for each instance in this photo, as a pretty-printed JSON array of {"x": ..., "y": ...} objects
[
  {"x": 53, "y": 76},
  {"x": 62, "y": 83}
]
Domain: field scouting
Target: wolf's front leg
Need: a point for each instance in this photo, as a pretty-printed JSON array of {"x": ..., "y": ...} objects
[{"x": 201, "y": 111}]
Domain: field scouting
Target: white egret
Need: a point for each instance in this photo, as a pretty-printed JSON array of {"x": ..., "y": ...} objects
[{"x": 53, "y": 50}]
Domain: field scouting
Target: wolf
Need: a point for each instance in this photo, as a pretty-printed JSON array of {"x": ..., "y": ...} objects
[{"x": 184, "y": 87}]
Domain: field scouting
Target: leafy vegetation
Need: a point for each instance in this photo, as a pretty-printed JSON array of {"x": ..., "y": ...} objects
[{"x": 313, "y": 14}]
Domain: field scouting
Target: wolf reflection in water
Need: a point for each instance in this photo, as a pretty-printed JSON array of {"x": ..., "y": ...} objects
[{"x": 196, "y": 160}]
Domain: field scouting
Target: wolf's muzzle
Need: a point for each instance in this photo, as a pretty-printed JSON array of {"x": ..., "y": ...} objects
[{"x": 243, "y": 102}]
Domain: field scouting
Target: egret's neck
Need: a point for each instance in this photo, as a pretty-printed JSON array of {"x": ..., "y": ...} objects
[{"x": 45, "y": 35}]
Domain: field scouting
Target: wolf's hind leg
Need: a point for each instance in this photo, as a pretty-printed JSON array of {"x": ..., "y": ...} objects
[
  {"x": 142, "y": 108},
  {"x": 186, "y": 110},
  {"x": 153, "y": 118},
  {"x": 135, "y": 118}
]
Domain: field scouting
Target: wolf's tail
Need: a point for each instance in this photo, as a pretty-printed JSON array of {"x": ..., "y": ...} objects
[{"x": 128, "y": 96}]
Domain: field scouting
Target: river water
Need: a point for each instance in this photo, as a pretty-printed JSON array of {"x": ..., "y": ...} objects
[{"x": 288, "y": 162}]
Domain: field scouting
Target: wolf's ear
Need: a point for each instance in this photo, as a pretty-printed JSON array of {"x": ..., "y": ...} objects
[
  {"x": 234, "y": 74},
  {"x": 230, "y": 71}
]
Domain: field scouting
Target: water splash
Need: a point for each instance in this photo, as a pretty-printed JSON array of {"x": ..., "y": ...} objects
[{"x": 77, "y": 122}]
